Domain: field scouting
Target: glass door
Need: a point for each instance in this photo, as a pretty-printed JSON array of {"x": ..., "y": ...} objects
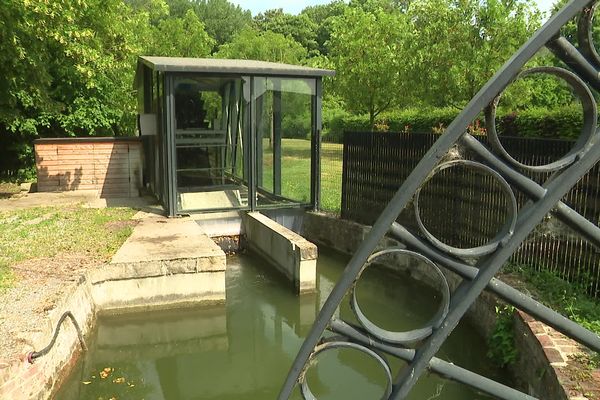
[{"x": 210, "y": 114}]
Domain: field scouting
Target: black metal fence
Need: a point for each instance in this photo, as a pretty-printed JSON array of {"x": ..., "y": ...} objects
[{"x": 464, "y": 208}]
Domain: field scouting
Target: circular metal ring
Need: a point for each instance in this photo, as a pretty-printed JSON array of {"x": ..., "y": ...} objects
[
  {"x": 505, "y": 232},
  {"x": 407, "y": 337},
  {"x": 308, "y": 394},
  {"x": 587, "y": 132},
  {"x": 585, "y": 39}
]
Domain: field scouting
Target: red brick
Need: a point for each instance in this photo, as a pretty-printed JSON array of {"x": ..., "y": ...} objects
[
  {"x": 545, "y": 340},
  {"x": 569, "y": 349},
  {"x": 553, "y": 355},
  {"x": 537, "y": 327}
]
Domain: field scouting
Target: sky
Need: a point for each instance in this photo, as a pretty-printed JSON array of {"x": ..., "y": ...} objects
[{"x": 294, "y": 7}]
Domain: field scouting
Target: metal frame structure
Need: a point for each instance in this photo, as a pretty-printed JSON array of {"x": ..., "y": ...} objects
[
  {"x": 161, "y": 72},
  {"x": 543, "y": 199}
]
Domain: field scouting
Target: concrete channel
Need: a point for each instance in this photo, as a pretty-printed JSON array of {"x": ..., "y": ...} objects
[{"x": 177, "y": 263}]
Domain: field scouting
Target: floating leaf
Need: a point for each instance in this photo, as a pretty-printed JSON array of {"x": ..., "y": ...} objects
[{"x": 86, "y": 382}]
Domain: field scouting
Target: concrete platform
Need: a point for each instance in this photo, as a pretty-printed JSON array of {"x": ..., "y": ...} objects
[
  {"x": 157, "y": 240},
  {"x": 164, "y": 263}
]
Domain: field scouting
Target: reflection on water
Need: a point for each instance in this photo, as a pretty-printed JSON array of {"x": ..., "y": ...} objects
[{"x": 243, "y": 349}]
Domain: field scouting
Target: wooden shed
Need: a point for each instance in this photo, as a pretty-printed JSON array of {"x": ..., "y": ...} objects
[{"x": 110, "y": 166}]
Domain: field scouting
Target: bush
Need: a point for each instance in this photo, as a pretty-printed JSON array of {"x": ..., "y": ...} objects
[
  {"x": 564, "y": 123},
  {"x": 296, "y": 126},
  {"x": 17, "y": 160}
]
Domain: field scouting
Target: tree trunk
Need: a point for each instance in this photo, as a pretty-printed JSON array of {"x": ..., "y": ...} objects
[{"x": 372, "y": 119}]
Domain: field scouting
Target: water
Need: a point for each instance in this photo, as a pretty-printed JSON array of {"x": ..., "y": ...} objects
[{"x": 243, "y": 349}]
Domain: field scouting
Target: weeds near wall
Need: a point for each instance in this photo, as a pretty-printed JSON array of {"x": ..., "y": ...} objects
[
  {"x": 501, "y": 344},
  {"x": 570, "y": 299}
]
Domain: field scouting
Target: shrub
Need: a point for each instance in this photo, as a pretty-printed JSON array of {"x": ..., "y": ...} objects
[{"x": 564, "y": 122}]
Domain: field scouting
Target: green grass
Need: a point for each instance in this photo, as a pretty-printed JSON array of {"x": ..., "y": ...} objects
[
  {"x": 567, "y": 298},
  {"x": 50, "y": 231},
  {"x": 296, "y": 172}
]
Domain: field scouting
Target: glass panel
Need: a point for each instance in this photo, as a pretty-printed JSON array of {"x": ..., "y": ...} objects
[
  {"x": 209, "y": 136},
  {"x": 283, "y": 129}
]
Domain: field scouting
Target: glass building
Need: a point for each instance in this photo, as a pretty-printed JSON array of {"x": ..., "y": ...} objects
[{"x": 230, "y": 134}]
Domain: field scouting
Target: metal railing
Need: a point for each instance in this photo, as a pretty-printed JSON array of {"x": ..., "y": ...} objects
[
  {"x": 464, "y": 207},
  {"x": 489, "y": 257}
]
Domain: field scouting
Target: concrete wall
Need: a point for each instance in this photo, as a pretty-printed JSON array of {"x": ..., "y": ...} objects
[
  {"x": 287, "y": 251},
  {"x": 110, "y": 166}
]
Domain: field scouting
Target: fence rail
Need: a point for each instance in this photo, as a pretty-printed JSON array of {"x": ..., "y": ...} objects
[{"x": 376, "y": 164}]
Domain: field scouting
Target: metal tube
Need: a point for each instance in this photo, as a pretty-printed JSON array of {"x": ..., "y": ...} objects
[
  {"x": 564, "y": 50},
  {"x": 533, "y": 190},
  {"x": 488, "y": 267},
  {"x": 504, "y": 291},
  {"x": 404, "y": 194},
  {"x": 440, "y": 367}
]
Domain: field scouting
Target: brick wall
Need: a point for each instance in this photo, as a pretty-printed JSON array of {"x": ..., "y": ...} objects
[{"x": 110, "y": 166}]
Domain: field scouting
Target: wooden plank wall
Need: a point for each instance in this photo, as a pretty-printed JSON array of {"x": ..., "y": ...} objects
[{"x": 112, "y": 167}]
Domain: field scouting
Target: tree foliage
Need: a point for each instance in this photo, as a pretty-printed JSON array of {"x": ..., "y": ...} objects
[
  {"x": 322, "y": 16},
  {"x": 366, "y": 49},
  {"x": 299, "y": 27},
  {"x": 181, "y": 37},
  {"x": 249, "y": 44},
  {"x": 222, "y": 19},
  {"x": 455, "y": 46},
  {"x": 70, "y": 65}
]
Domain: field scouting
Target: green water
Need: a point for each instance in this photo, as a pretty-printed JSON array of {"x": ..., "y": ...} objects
[{"x": 243, "y": 349}]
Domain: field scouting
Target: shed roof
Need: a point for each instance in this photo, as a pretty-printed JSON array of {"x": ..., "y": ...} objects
[{"x": 228, "y": 66}]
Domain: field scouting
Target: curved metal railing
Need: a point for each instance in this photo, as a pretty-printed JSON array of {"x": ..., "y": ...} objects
[{"x": 584, "y": 64}]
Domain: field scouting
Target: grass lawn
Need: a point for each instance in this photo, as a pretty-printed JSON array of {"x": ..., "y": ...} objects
[
  {"x": 50, "y": 231},
  {"x": 296, "y": 172}
]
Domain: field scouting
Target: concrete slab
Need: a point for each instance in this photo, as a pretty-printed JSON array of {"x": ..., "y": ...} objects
[
  {"x": 286, "y": 250},
  {"x": 88, "y": 198},
  {"x": 164, "y": 263},
  {"x": 163, "y": 239}
]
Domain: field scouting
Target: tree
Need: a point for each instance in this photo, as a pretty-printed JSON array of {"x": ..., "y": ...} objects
[
  {"x": 322, "y": 16},
  {"x": 73, "y": 66},
  {"x": 366, "y": 49},
  {"x": 250, "y": 44},
  {"x": 222, "y": 19},
  {"x": 178, "y": 8},
  {"x": 299, "y": 27},
  {"x": 455, "y": 46},
  {"x": 157, "y": 10},
  {"x": 181, "y": 37}
]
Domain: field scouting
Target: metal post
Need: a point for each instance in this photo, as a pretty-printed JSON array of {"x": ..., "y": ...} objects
[
  {"x": 316, "y": 126},
  {"x": 171, "y": 150},
  {"x": 251, "y": 148},
  {"x": 277, "y": 116}
]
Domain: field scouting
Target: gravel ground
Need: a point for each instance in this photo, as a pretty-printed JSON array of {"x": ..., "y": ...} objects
[{"x": 39, "y": 284}]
